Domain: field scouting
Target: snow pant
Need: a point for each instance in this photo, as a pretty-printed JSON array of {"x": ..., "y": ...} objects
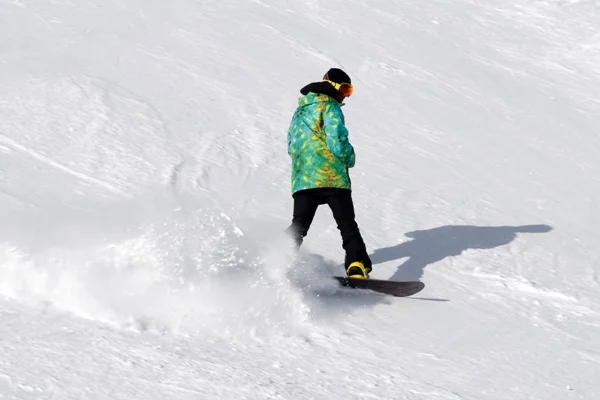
[{"x": 340, "y": 202}]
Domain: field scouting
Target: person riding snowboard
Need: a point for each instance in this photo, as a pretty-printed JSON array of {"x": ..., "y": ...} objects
[{"x": 321, "y": 156}]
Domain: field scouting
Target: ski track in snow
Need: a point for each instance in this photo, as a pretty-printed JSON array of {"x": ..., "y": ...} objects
[
  {"x": 51, "y": 163},
  {"x": 144, "y": 187}
]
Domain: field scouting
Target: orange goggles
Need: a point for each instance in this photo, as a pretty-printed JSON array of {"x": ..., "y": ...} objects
[{"x": 346, "y": 89}]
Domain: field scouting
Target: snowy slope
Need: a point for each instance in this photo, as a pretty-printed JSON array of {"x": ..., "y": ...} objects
[{"x": 144, "y": 187}]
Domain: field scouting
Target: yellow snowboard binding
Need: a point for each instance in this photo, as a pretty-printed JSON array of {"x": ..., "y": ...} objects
[{"x": 357, "y": 270}]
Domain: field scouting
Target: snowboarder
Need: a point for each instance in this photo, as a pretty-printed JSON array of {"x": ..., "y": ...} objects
[{"x": 321, "y": 156}]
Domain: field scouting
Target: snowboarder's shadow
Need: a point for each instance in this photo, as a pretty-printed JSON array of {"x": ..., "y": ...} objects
[{"x": 430, "y": 246}]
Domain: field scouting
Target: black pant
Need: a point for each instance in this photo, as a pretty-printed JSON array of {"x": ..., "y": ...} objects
[{"x": 306, "y": 203}]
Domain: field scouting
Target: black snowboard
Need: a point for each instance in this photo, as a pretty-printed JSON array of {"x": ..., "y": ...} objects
[{"x": 393, "y": 288}]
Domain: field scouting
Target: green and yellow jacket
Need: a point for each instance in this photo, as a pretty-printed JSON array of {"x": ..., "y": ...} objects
[{"x": 318, "y": 144}]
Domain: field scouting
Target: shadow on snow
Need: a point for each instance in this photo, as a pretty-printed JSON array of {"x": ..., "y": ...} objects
[{"x": 432, "y": 245}]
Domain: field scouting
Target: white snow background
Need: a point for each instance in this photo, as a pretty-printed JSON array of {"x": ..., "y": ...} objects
[{"x": 144, "y": 190}]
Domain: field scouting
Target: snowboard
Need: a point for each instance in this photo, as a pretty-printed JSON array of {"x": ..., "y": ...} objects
[{"x": 393, "y": 288}]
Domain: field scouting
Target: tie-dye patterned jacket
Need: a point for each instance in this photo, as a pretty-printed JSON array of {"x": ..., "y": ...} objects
[{"x": 318, "y": 145}]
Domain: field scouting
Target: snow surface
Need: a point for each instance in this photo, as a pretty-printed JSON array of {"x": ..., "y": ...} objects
[{"x": 144, "y": 188}]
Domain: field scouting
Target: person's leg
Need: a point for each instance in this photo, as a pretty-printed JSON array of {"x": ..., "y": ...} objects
[
  {"x": 306, "y": 203},
  {"x": 340, "y": 202}
]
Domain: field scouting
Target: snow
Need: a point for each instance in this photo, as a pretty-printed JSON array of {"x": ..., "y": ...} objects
[{"x": 144, "y": 188}]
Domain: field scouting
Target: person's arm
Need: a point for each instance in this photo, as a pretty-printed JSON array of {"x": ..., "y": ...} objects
[
  {"x": 289, "y": 142},
  {"x": 337, "y": 135},
  {"x": 289, "y": 136}
]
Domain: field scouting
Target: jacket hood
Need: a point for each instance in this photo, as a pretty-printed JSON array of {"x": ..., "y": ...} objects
[{"x": 312, "y": 98}]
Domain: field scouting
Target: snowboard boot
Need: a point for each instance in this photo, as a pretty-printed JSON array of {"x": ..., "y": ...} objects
[{"x": 357, "y": 270}]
